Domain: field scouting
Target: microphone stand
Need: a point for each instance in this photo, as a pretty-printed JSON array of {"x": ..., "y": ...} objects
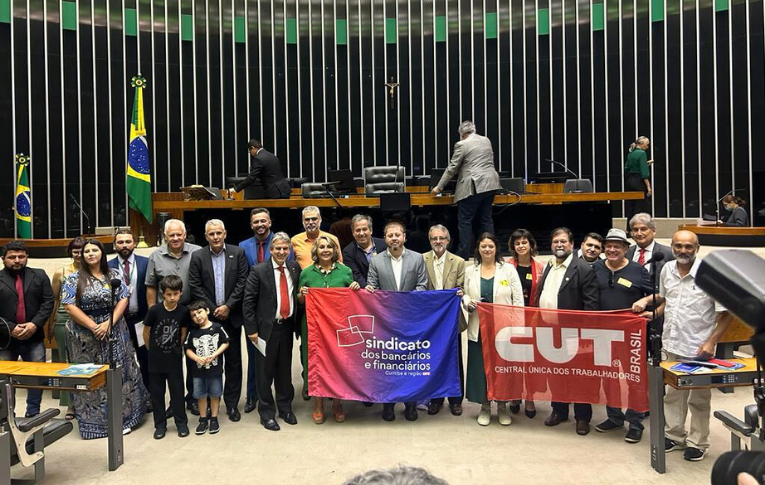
[
  {"x": 576, "y": 177},
  {"x": 656, "y": 382},
  {"x": 85, "y": 214},
  {"x": 114, "y": 394},
  {"x": 115, "y": 284}
]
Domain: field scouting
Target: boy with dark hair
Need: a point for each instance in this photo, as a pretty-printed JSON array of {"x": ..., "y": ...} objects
[
  {"x": 205, "y": 342},
  {"x": 165, "y": 327}
]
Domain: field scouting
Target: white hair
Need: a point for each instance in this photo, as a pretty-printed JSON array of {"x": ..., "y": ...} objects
[
  {"x": 175, "y": 221},
  {"x": 439, "y": 227},
  {"x": 311, "y": 208},
  {"x": 467, "y": 127},
  {"x": 214, "y": 222},
  {"x": 280, "y": 236}
]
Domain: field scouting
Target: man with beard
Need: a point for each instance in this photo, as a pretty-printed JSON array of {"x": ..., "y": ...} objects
[
  {"x": 303, "y": 242},
  {"x": 27, "y": 302},
  {"x": 397, "y": 269},
  {"x": 591, "y": 249},
  {"x": 360, "y": 252},
  {"x": 257, "y": 249},
  {"x": 173, "y": 257},
  {"x": 693, "y": 323},
  {"x": 132, "y": 268},
  {"x": 568, "y": 283}
]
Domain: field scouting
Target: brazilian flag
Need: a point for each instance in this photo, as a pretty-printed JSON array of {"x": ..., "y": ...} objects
[
  {"x": 23, "y": 198},
  {"x": 138, "y": 173}
]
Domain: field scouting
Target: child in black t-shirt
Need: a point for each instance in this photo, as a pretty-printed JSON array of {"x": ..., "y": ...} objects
[
  {"x": 205, "y": 343},
  {"x": 165, "y": 327}
]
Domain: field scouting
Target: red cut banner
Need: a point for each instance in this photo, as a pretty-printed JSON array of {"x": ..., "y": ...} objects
[{"x": 564, "y": 356}]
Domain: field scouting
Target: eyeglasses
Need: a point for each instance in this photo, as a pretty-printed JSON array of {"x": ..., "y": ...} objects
[{"x": 439, "y": 238}]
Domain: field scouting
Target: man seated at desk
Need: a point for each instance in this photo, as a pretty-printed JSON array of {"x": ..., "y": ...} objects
[{"x": 268, "y": 169}]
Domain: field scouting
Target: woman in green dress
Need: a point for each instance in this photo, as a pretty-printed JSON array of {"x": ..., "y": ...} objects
[
  {"x": 56, "y": 325},
  {"x": 325, "y": 272}
]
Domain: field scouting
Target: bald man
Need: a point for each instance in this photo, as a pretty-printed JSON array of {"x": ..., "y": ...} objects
[{"x": 693, "y": 323}]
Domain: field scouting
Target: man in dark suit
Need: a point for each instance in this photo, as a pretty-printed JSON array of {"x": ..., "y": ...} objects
[
  {"x": 217, "y": 275},
  {"x": 568, "y": 283},
  {"x": 266, "y": 167},
  {"x": 27, "y": 303},
  {"x": 643, "y": 229},
  {"x": 360, "y": 252},
  {"x": 132, "y": 268},
  {"x": 270, "y": 310}
]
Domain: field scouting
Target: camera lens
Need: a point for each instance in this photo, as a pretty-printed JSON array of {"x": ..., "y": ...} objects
[{"x": 730, "y": 464}]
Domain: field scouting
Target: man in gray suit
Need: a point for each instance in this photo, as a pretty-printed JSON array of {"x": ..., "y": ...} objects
[
  {"x": 473, "y": 163},
  {"x": 397, "y": 269}
]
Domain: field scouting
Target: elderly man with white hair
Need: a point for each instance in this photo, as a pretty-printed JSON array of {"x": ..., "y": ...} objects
[
  {"x": 217, "y": 276},
  {"x": 172, "y": 258},
  {"x": 477, "y": 182}
]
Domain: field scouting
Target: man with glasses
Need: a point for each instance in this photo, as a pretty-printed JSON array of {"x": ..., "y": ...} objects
[
  {"x": 621, "y": 283},
  {"x": 446, "y": 271},
  {"x": 568, "y": 283},
  {"x": 303, "y": 242}
]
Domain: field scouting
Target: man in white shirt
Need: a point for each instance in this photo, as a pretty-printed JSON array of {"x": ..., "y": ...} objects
[
  {"x": 446, "y": 271},
  {"x": 693, "y": 323}
]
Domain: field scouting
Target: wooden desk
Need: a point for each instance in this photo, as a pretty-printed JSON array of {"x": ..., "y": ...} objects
[
  {"x": 746, "y": 237},
  {"x": 56, "y": 248},
  {"x": 43, "y": 375},
  {"x": 717, "y": 378}
]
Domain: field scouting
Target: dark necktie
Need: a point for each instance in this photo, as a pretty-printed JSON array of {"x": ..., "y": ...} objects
[
  {"x": 261, "y": 253},
  {"x": 284, "y": 294},
  {"x": 21, "y": 311},
  {"x": 126, "y": 273},
  {"x": 641, "y": 257}
]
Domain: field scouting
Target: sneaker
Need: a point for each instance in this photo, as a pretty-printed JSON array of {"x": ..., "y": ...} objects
[
  {"x": 633, "y": 435},
  {"x": 126, "y": 431},
  {"x": 503, "y": 415},
  {"x": 159, "y": 433},
  {"x": 484, "y": 417},
  {"x": 694, "y": 454},
  {"x": 214, "y": 426},
  {"x": 202, "y": 428},
  {"x": 607, "y": 426},
  {"x": 422, "y": 406},
  {"x": 670, "y": 445}
]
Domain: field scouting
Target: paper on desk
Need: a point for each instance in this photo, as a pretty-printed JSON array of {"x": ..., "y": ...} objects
[
  {"x": 79, "y": 370},
  {"x": 261, "y": 346},
  {"x": 139, "y": 333}
]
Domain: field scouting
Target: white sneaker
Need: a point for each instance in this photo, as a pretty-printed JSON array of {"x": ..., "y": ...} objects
[
  {"x": 503, "y": 415},
  {"x": 126, "y": 431},
  {"x": 484, "y": 417}
]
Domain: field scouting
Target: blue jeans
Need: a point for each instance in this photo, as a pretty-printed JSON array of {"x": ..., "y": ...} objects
[
  {"x": 29, "y": 352},
  {"x": 633, "y": 417},
  {"x": 474, "y": 212},
  {"x": 208, "y": 387}
]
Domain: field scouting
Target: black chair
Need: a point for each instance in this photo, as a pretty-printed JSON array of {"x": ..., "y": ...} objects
[
  {"x": 516, "y": 184},
  {"x": 25, "y": 439},
  {"x": 310, "y": 191},
  {"x": 577, "y": 186},
  {"x": 382, "y": 180}
]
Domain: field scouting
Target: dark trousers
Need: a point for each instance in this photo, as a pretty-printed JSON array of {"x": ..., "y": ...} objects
[
  {"x": 456, "y": 400},
  {"x": 474, "y": 212},
  {"x": 276, "y": 368},
  {"x": 252, "y": 366},
  {"x": 174, "y": 381},
  {"x": 581, "y": 411},
  {"x": 232, "y": 367},
  {"x": 141, "y": 352},
  {"x": 189, "y": 383},
  {"x": 633, "y": 183},
  {"x": 634, "y": 418},
  {"x": 29, "y": 352}
]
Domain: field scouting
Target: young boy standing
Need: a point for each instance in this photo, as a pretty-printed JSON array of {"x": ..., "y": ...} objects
[
  {"x": 205, "y": 342},
  {"x": 164, "y": 332}
]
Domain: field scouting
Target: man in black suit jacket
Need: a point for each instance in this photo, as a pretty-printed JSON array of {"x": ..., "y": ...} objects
[
  {"x": 266, "y": 167},
  {"x": 270, "y": 314},
  {"x": 360, "y": 252},
  {"x": 568, "y": 283},
  {"x": 643, "y": 229},
  {"x": 217, "y": 275},
  {"x": 133, "y": 277},
  {"x": 26, "y": 311}
]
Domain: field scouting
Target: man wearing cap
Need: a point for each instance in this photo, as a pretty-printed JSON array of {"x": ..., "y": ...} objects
[{"x": 621, "y": 283}]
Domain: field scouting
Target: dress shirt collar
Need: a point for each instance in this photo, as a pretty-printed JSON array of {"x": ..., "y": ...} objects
[{"x": 403, "y": 251}]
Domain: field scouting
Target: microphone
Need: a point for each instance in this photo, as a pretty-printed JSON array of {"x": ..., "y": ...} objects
[
  {"x": 656, "y": 258},
  {"x": 85, "y": 214},
  {"x": 116, "y": 283},
  {"x": 562, "y": 165}
]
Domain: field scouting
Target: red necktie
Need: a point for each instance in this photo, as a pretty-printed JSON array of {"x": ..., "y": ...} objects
[
  {"x": 126, "y": 274},
  {"x": 284, "y": 294},
  {"x": 21, "y": 311},
  {"x": 261, "y": 255},
  {"x": 641, "y": 257}
]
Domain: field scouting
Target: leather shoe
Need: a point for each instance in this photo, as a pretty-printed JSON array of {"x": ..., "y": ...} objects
[
  {"x": 410, "y": 413},
  {"x": 434, "y": 408},
  {"x": 289, "y": 418},
  {"x": 270, "y": 424},
  {"x": 193, "y": 407},
  {"x": 554, "y": 419},
  {"x": 582, "y": 427},
  {"x": 388, "y": 414},
  {"x": 456, "y": 409},
  {"x": 250, "y": 405},
  {"x": 159, "y": 433},
  {"x": 168, "y": 412},
  {"x": 234, "y": 415}
]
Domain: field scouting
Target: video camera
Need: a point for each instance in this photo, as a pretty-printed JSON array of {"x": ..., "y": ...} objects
[{"x": 736, "y": 279}]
